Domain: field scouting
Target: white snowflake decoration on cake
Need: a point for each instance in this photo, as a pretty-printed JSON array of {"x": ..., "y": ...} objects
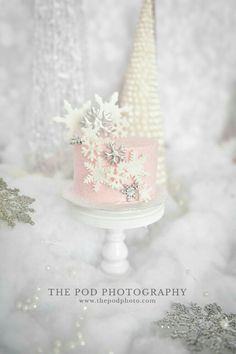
[
  {"x": 120, "y": 121},
  {"x": 116, "y": 178},
  {"x": 91, "y": 144},
  {"x": 97, "y": 173},
  {"x": 98, "y": 120},
  {"x": 114, "y": 154},
  {"x": 145, "y": 193},
  {"x": 72, "y": 119},
  {"x": 135, "y": 165},
  {"x": 103, "y": 117}
]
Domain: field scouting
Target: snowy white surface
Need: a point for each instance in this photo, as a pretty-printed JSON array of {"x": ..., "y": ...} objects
[{"x": 193, "y": 246}]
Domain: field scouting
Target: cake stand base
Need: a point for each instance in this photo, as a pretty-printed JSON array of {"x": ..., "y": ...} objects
[{"x": 115, "y": 251}]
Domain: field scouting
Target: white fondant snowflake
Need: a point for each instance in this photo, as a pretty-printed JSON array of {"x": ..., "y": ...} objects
[
  {"x": 144, "y": 193},
  {"x": 105, "y": 117},
  {"x": 126, "y": 171},
  {"x": 91, "y": 144},
  {"x": 98, "y": 120},
  {"x": 118, "y": 114},
  {"x": 72, "y": 119},
  {"x": 97, "y": 174},
  {"x": 114, "y": 154},
  {"x": 116, "y": 179},
  {"x": 135, "y": 166}
]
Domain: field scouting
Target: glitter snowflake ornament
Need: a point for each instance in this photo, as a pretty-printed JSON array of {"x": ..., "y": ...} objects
[
  {"x": 114, "y": 154},
  {"x": 201, "y": 328},
  {"x": 72, "y": 118},
  {"x": 14, "y": 207},
  {"x": 130, "y": 191}
]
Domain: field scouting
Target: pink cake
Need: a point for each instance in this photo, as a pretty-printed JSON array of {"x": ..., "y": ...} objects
[
  {"x": 131, "y": 177},
  {"x": 110, "y": 167}
]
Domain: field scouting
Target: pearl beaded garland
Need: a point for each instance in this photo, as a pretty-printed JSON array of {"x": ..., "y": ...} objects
[{"x": 30, "y": 303}]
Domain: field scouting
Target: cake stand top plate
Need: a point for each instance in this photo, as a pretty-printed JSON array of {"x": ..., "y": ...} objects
[{"x": 117, "y": 218}]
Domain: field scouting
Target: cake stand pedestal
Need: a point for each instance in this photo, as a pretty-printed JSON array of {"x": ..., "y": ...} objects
[{"x": 115, "y": 251}]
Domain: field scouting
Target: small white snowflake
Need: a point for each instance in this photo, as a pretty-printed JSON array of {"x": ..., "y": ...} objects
[
  {"x": 135, "y": 165},
  {"x": 91, "y": 144},
  {"x": 117, "y": 176},
  {"x": 144, "y": 193},
  {"x": 97, "y": 174}
]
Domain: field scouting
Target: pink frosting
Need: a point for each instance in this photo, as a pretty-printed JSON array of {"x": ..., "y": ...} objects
[{"x": 146, "y": 147}]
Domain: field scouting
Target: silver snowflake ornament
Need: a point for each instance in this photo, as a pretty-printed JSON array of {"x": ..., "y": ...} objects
[
  {"x": 114, "y": 154},
  {"x": 130, "y": 191},
  {"x": 201, "y": 328},
  {"x": 97, "y": 119},
  {"x": 75, "y": 140},
  {"x": 14, "y": 207}
]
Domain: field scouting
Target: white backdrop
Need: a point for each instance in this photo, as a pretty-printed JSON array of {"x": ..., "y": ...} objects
[
  {"x": 194, "y": 245},
  {"x": 196, "y": 60}
]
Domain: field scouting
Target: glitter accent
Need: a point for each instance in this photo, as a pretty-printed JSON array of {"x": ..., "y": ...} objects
[
  {"x": 130, "y": 191},
  {"x": 14, "y": 207},
  {"x": 201, "y": 328},
  {"x": 76, "y": 140}
]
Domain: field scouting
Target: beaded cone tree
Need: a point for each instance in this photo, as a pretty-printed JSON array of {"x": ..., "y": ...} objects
[{"x": 140, "y": 89}]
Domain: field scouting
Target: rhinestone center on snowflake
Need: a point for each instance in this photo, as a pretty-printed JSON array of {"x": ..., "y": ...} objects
[
  {"x": 130, "y": 191},
  {"x": 114, "y": 154}
]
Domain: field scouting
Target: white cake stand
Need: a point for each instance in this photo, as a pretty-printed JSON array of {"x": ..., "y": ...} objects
[{"x": 115, "y": 251}]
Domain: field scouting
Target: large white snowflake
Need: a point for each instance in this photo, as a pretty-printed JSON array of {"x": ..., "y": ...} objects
[
  {"x": 72, "y": 119},
  {"x": 97, "y": 119},
  {"x": 117, "y": 177},
  {"x": 103, "y": 117},
  {"x": 117, "y": 115},
  {"x": 91, "y": 144},
  {"x": 127, "y": 171},
  {"x": 97, "y": 173}
]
